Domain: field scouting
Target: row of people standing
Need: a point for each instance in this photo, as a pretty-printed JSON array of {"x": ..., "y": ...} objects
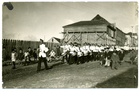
[{"x": 20, "y": 56}]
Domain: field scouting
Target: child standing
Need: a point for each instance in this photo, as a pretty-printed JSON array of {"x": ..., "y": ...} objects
[
  {"x": 26, "y": 57},
  {"x": 20, "y": 55},
  {"x": 13, "y": 58},
  {"x": 35, "y": 54}
]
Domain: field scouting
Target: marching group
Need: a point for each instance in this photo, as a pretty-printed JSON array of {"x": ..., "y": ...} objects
[
  {"x": 108, "y": 56},
  {"x": 73, "y": 53}
]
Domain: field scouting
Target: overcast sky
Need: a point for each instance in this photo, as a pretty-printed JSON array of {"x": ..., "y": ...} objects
[{"x": 35, "y": 20}]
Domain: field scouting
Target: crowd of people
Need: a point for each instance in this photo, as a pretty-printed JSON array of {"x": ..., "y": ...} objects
[
  {"x": 73, "y": 53},
  {"x": 107, "y": 55},
  {"x": 24, "y": 57}
]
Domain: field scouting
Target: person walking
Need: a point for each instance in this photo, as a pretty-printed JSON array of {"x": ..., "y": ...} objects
[
  {"x": 42, "y": 56},
  {"x": 115, "y": 60}
]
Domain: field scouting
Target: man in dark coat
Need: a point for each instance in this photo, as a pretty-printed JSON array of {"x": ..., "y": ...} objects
[
  {"x": 114, "y": 59},
  {"x": 102, "y": 58},
  {"x": 121, "y": 56}
]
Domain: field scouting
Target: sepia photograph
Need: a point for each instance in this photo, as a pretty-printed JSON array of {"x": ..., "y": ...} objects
[{"x": 69, "y": 44}]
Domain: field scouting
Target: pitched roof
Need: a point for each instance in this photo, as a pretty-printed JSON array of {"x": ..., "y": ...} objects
[
  {"x": 59, "y": 40},
  {"x": 54, "y": 39},
  {"x": 85, "y": 23},
  {"x": 97, "y": 20}
]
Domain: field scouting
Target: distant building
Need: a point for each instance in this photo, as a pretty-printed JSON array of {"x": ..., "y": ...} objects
[
  {"x": 53, "y": 42},
  {"x": 96, "y": 31},
  {"x": 131, "y": 39}
]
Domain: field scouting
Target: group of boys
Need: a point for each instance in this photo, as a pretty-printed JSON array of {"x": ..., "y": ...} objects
[{"x": 76, "y": 54}]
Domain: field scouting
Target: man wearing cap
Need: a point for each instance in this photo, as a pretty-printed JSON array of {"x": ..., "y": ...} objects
[{"x": 42, "y": 56}]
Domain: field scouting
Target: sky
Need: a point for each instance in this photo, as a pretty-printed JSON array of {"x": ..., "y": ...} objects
[{"x": 35, "y": 20}]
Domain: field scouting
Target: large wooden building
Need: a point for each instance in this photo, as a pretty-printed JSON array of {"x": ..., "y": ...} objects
[{"x": 96, "y": 31}]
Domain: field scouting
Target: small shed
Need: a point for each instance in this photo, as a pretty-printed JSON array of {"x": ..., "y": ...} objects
[{"x": 54, "y": 44}]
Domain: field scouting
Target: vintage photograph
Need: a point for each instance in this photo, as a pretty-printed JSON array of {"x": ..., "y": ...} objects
[{"x": 69, "y": 45}]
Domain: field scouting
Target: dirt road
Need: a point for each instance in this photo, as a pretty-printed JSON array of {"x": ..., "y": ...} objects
[{"x": 87, "y": 75}]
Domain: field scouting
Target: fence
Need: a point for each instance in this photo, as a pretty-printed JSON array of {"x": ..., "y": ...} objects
[{"x": 10, "y": 44}]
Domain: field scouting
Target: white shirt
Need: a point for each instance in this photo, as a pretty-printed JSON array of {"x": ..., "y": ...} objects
[
  {"x": 26, "y": 54},
  {"x": 13, "y": 56},
  {"x": 96, "y": 49},
  {"x": 43, "y": 49},
  {"x": 77, "y": 49},
  {"x": 52, "y": 53},
  {"x": 72, "y": 49}
]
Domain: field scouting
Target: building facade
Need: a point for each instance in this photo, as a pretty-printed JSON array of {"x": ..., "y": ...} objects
[
  {"x": 97, "y": 31},
  {"x": 131, "y": 39}
]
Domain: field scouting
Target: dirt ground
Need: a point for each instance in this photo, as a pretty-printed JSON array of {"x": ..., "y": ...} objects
[{"x": 87, "y": 75}]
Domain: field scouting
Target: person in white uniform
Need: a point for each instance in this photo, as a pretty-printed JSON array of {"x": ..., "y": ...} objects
[{"x": 42, "y": 56}]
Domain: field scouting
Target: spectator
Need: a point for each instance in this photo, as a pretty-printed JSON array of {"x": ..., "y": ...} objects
[
  {"x": 20, "y": 55},
  {"x": 16, "y": 53},
  {"x": 13, "y": 58},
  {"x": 30, "y": 53},
  {"x": 35, "y": 54},
  {"x": 4, "y": 54},
  {"x": 58, "y": 50},
  {"x": 26, "y": 57},
  {"x": 52, "y": 55}
]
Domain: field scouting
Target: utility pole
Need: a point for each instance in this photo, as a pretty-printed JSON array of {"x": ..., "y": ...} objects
[{"x": 132, "y": 35}]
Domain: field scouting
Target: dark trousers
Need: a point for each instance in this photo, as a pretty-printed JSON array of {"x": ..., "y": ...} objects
[
  {"x": 14, "y": 65},
  {"x": 66, "y": 57},
  {"x": 78, "y": 60},
  {"x": 85, "y": 58},
  {"x": 39, "y": 63},
  {"x": 95, "y": 56},
  {"x": 72, "y": 58},
  {"x": 26, "y": 61}
]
